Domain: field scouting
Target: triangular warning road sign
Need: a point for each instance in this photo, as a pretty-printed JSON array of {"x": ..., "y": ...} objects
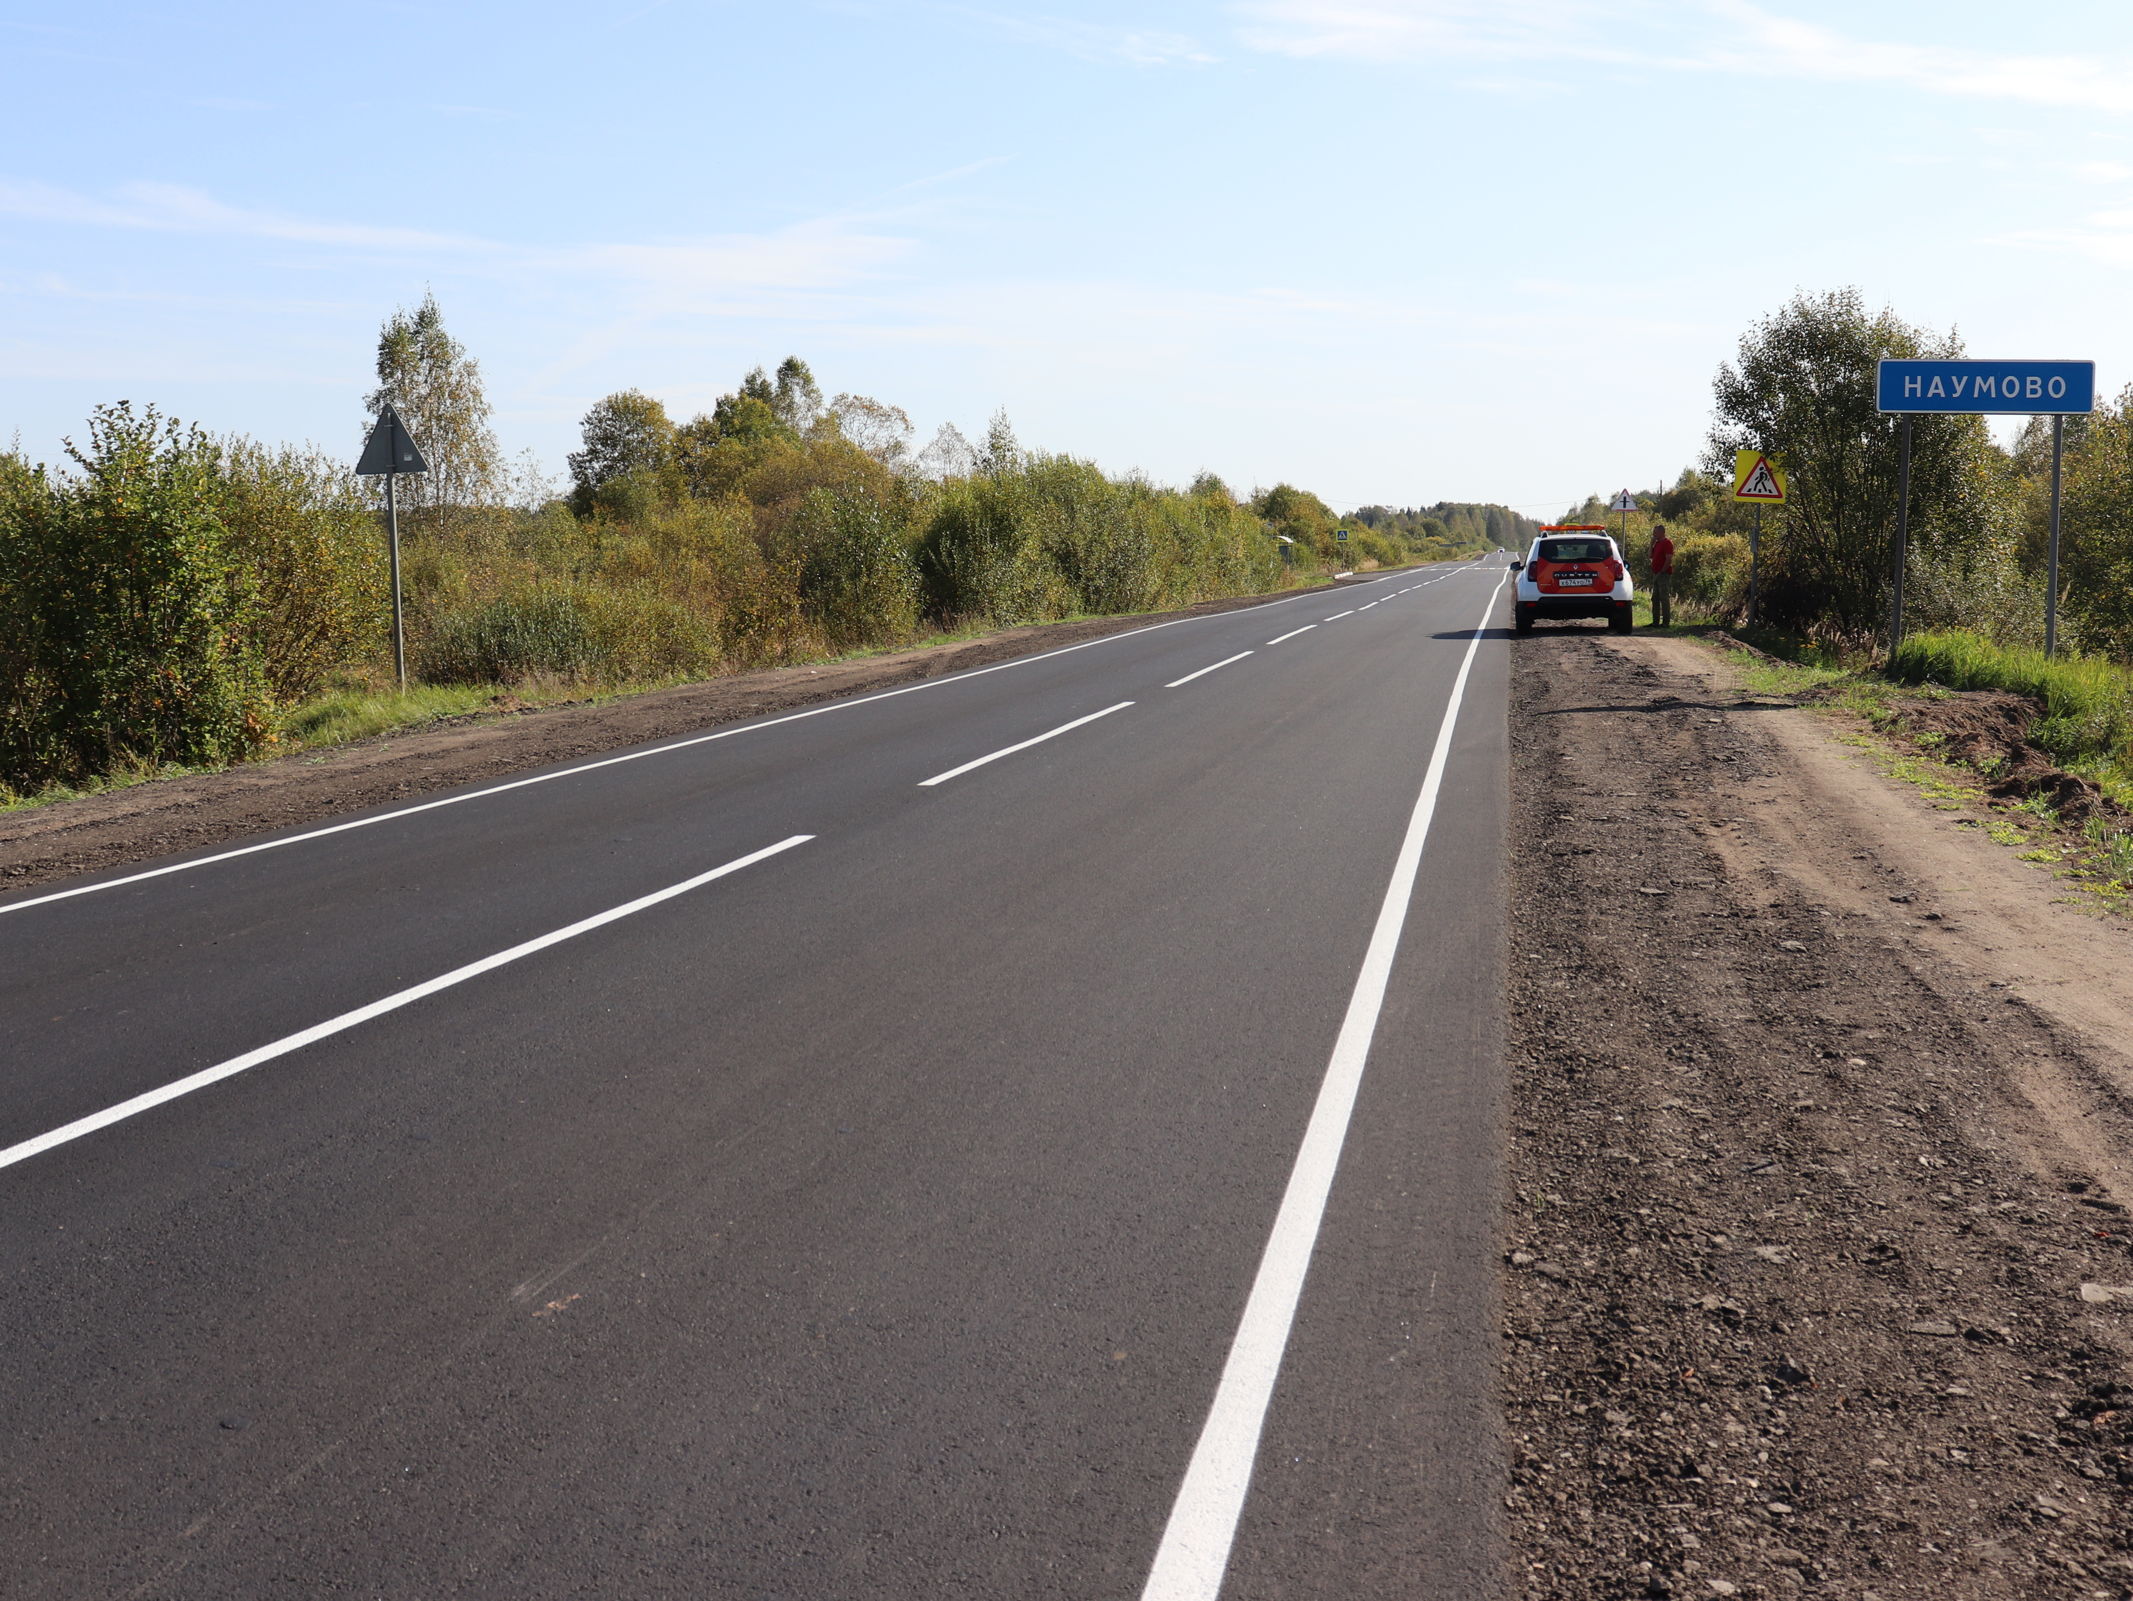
[
  {"x": 1760, "y": 481},
  {"x": 1624, "y": 501},
  {"x": 390, "y": 449}
]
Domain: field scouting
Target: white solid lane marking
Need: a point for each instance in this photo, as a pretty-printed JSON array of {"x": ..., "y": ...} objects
[
  {"x": 1203, "y": 672},
  {"x": 958, "y": 772},
  {"x": 363, "y": 1014},
  {"x": 1292, "y": 633},
  {"x": 614, "y": 761},
  {"x": 1203, "y": 1522},
  {"x": 1337, "y": 616}
]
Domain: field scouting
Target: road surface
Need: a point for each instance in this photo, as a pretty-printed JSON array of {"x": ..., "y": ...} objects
[{"x": 1033, "y": 1133}]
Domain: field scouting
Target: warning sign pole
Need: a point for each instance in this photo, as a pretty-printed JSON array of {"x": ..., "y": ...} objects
[
  {"x": 1755, "y": 561},
  {"x": 389, "y": 452},
  {"x": 1624, "y": 503},
  {"x": 392, "y": 524},
  {"x": 1756, "y": 478}
]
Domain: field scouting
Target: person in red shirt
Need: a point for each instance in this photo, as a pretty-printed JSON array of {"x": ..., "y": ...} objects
[{"x": 1662, "y": 565}]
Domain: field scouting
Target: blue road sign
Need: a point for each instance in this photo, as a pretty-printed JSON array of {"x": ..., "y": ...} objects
[{"x": 2028, "y": 388}]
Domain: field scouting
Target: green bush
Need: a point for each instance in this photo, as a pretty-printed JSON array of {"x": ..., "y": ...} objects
[
  {"x": 1987, "y": 595},
  {"x": 1100, "y": 555},
  {"x": 977, "y": 555},
  {"x": 580, "y": 633},
  {"x": 296, "y": 520},
  {"x": 130, "y": 627},
  {"x": 1710, "y": 574},
  {"x": 547, "y": 629},
  {"x": 858, "y": 584}
]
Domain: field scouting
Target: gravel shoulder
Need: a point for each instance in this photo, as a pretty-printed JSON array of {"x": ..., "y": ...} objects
[
  {"x": 170, "y": 816},
  {"x": 1822, "y": 1144}
]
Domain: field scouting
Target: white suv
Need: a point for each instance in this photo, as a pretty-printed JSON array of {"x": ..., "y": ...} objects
[{"x": 1572, "y": 570}]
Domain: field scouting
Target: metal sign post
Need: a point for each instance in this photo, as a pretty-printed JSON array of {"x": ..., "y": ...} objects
[
  {"x": 2055, "y": 389},
  {"x": 1625, "y": 503},
  {"x": 388, "y": 453},
  {"x": 1903, "y": 534},
  {"x": 392, "y": 523},
  {"x": 2051, "y": 588},
  {"x": 1757, "y": 479}
]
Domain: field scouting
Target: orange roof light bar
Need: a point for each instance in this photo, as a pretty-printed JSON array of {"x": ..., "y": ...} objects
[{"x": 1575, "y": 528}]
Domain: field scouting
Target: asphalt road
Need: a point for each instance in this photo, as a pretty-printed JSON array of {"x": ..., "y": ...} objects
[{"x": 915, "y": 1209}]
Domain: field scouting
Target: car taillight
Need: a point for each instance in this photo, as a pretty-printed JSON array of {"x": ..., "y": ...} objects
[{"x": 1614, "y": 571}]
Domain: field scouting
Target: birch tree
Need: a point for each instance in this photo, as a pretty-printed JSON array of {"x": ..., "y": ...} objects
[{"x": 427, "y": 376}]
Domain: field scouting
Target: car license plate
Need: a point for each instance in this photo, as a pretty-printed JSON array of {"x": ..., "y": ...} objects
[{"x": 1575, "y": 580}]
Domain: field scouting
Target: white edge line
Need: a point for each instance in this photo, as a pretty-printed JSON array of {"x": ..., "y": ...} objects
[
  {"x": 1178, "y": 683},
  {"x": 363, "y": 1014},
  {"x": 1203, "y": 1522},
  {"x": 665, "y": 749},
  {"x": 958, "y": 772},
  {"x": 1292, "y": 633}
]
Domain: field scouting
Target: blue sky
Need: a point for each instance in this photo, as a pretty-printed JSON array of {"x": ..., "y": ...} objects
[{"x": 1392, "y": 250}]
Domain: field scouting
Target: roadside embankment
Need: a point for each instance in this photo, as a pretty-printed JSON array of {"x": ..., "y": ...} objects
[{"x": 1820, "y": 1268}]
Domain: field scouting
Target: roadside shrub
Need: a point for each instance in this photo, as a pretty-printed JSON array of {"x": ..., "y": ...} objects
[
  {"x": 546, "y": 629},
  {"x": 640, "y": 636},
  {"x": 1710, "y": 574},
  {"x": 1213, "y": 547},
  {"x": 1099, "y": 554},
  {"x": 129, "y": 626},
  {"x": 297, "y": 521},
  {"x": 858, "y": 584},
  {"x": 977, "y": 554},
  {"x": 579, "y": 633},
  {"x": 1990, "y": 596}
]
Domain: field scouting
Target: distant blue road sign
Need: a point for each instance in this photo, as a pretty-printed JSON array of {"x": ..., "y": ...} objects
[{"x": 2023, "y": 387}]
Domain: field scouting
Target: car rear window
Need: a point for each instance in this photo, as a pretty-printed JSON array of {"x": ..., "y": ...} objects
[{"x": 1575, "y": 550}]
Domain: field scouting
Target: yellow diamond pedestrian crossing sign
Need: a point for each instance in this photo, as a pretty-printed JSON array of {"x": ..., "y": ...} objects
[{"x": 1756, "y": 478}]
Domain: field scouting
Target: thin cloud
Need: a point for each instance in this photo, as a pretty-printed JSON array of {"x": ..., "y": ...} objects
[
  {"x": 810, "y": 256},
  {"x": 172, "y": 208},
  {"x": 1097, "y": 41},
  {"x": 2105, "y": 236},
  {"x": 1769, "y": 41},
  {"x": 933, "y": 180},
  {"x": 1424, "y": 30},
  {"x": 1735, "y": 36}
]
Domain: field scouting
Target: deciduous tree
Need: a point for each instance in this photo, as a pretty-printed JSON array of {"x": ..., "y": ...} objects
[
  {"x": 628, "y": 452},
  {"x": 429, "y": 379},
  {"x": 1804, "y": 389}
]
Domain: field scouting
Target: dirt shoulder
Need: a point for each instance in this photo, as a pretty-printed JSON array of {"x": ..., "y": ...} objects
[
  {"x": 1822, "y": 1123},
  {"x": 169, "y": 816}
]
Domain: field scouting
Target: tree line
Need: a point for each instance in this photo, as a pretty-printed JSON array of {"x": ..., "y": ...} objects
[
  {"x": 172, "y": 596},
  {"x": 1802, "y": 387}
]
